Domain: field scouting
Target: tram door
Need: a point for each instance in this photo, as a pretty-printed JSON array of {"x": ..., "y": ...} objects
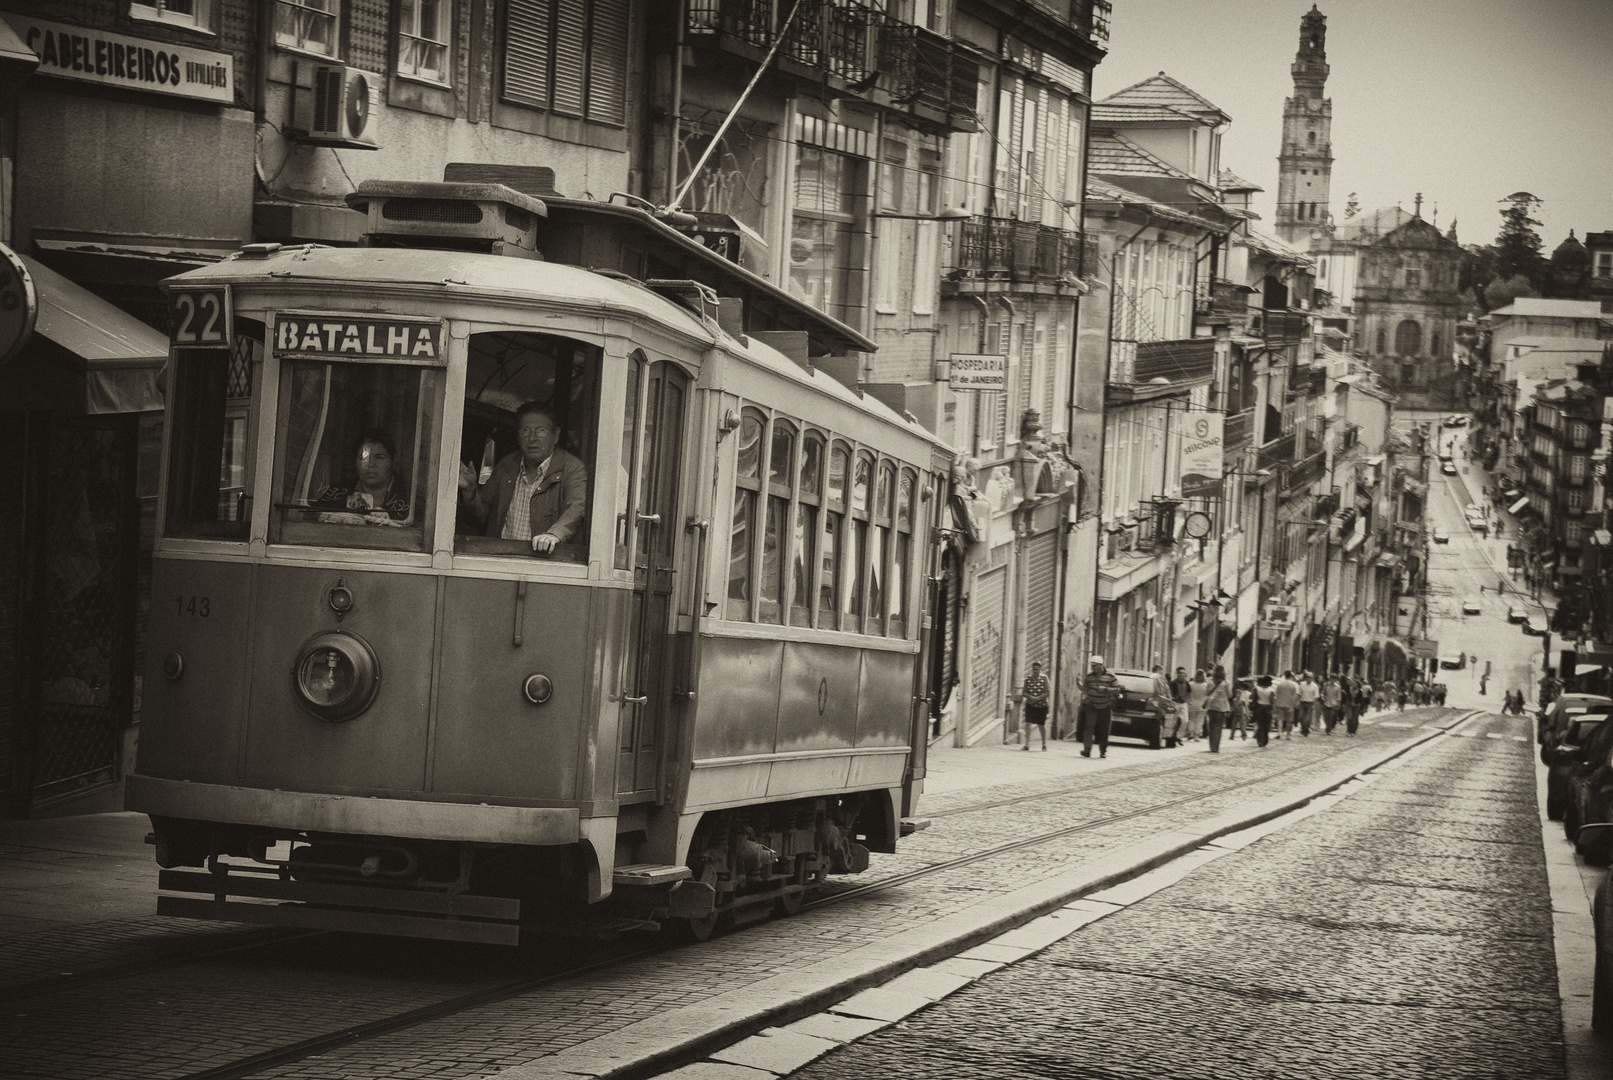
[{"x": 657, "y": 395}]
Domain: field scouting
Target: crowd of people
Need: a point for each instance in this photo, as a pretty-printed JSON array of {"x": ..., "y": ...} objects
[{"x": 1211, "y": 706}]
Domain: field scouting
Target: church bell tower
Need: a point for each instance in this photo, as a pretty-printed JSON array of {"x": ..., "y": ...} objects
[{"x": 1305, "y": 164}]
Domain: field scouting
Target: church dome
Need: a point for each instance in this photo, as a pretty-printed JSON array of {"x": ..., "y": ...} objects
[{"x": 1570, "y": 255}]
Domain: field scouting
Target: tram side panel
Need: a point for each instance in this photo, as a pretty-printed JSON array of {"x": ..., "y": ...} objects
[{"x": 194, "y": 697}]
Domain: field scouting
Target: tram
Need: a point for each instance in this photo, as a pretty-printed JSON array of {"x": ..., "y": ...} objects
[{"x": 525, "y": 567}]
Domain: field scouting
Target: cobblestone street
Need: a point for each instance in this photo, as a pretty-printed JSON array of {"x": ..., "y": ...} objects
[{"x": 1404, "y": 932}]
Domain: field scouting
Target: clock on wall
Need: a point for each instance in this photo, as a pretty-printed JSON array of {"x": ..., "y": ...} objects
[{"x": 1197, "y": 525}]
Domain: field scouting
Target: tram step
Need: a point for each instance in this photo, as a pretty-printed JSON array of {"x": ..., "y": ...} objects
[
  {"x": 913, "y": 825},
  {"x": 648, "y": 874}
]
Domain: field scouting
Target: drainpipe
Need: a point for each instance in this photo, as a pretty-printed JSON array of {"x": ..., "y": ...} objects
[{"x": 677, "y": 101}]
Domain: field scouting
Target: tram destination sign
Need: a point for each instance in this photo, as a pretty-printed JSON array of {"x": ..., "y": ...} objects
[
  {"x": 979, "y": 371},
  {"x": 117, "y": 59},
  {"x": 351, "y": 337}
]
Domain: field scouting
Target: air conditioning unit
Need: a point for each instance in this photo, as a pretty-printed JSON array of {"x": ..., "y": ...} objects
[{"x": 335, "y": 105}]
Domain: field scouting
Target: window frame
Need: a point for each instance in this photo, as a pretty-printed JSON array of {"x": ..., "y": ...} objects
[
  {"x": 299, "y": 45},
  {"x": 589, "y": 113},
  {"x": 770, "y": 492},
  {"x": 447, "y": 12},
  {"x": 743, "y": 609},
  {"x": 203, "y": 20}
]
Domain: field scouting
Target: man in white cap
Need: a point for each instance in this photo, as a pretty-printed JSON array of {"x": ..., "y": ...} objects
[{"x": 1098, "y": 693}]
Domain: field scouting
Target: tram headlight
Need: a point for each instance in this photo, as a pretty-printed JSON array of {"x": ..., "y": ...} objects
[{"x": 336, "y": 675}]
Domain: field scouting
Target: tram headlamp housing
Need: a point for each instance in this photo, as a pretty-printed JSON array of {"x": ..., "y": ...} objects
[{"x": 336, "y": 675}]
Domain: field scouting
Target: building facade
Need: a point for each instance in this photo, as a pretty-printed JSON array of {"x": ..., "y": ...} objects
[{"x": 1407, "y": 306}]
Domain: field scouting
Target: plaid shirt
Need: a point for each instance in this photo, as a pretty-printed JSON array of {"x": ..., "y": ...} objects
[{"x": 518, "y": 522}]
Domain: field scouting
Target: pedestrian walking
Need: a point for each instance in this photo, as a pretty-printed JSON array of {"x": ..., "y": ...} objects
[
  {"x": 1034, "y": 693},
  {"x": 1217, "y": 707},
  {"x": 1285, "y": 703},
  {"x": 1265, "y": 696},
  {"x": 1363, "y": 697},
  {"x": 1179, "y": 729},
  {"x": 1098, "y": 695},
  {"x": 1400, "y": 699},
  {"x": 1310, "y": 694},
  {"x": 1332, "y": 703},
  {"x": 1197, "y": 692},
  {"x": 1242, "y": 699}
]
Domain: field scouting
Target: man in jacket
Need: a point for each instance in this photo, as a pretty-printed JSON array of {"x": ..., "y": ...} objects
[
  {"x": 537, "y": 494},
  {"x": 1285, "y": 702},
  {"x": 1098, "y": 694}
]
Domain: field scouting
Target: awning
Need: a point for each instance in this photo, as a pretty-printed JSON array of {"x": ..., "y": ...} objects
[
  {"x": 122, "y": 355},
  {"x": 1519, "y": 505}
]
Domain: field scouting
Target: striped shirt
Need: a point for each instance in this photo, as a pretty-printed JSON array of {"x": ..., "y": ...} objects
[{"x": 518, "y": 522}]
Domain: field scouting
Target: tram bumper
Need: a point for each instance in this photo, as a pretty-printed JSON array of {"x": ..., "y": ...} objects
[{"x": 329, "y": 896}]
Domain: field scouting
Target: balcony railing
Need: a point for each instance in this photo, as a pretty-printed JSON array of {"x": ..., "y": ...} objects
[
  {"x": 1280, "y": 451},
  {"x": 1286, "y": 327},
  {"x": 1018, "y": 250},
  {"x": 1238, "y": 430},
  {"x": 890, "y": 62}
]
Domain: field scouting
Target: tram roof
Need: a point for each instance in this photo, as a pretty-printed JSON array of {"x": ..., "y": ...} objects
[{"x": 497, "y": 276}]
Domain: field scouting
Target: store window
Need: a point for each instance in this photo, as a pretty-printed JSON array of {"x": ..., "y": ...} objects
[
  {"x": 527, "y": 446},
  {"x": 308, "y": 25},
  {"x": 424, "y": 29},
  {"x": 212, "y": 409},
  {"x": 568, "y": 57}
]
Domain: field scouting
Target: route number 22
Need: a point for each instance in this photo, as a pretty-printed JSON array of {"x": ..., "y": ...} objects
[{"x": 199, "y": 316}]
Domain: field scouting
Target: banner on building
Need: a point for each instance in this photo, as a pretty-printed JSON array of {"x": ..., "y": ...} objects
[
  {"x": 1424, "y": 648},
  {"x": 979, "y": 371},
  {"x": 1202, "y": 455}
]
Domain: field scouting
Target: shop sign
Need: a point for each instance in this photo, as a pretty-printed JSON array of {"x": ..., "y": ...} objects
[
  {"x": 1202, "y": 455},
  {"x": 1425, "y": 648},
  {"x": 349, "y": 338},
  {"x": 979, "y": 371},
  {"x": 113, "y": 59}
]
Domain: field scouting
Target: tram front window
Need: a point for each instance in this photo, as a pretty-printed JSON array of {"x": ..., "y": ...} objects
[
  {"x": 211, "y": 407},
  {"x": 526, "y": 450},
  {"x": 354, "y": 453}
]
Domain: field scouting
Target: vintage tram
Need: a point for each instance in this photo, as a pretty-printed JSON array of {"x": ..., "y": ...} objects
[{"x": 411, "y": 676}]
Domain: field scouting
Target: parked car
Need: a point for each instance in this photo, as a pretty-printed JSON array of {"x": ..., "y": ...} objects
[
  {"x": 1471, "y": 607},
  {"x": 1588, "y": 798},
  {"x": 1598, "y": 839},
  {"x": 1456, "y": 420},
  {"x": 1448, "y": 468},
  {"x": 1453, "y": 663},
  {"x": 1554, "y": 718},
  {"x": 1144, "y": 708},
  {"x": 1441, "y": 536},
  {"x": 1565, "y": 758},
  {"x": 1516, "y": 615}
]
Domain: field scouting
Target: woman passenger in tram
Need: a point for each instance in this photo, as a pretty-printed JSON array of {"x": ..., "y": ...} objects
[{"x": 374, "y": 496}]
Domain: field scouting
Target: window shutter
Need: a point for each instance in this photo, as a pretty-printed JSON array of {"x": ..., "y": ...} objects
[
  {"x": 526, "y": 53},
  {"x": 607, "y": 63},
  {"x": 570, "y": 56}
]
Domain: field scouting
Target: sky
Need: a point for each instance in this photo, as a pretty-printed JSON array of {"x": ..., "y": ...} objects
[{"x": 1466, "y": 101}]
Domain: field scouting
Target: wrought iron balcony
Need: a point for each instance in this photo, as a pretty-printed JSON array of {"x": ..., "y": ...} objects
[
  {"x": 1285, "y": 327},
  {"x": 1238, "y": 431},
  {"x": 1280, "y": 451},
  {"x": 1023, "y": 251},
  {"x": 866, "y": 53}
]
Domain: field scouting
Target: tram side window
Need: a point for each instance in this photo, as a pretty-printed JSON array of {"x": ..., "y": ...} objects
[
  {"x": 527, "y": 446},
  {"x": 775, "y": 537},
  {"x": 354, "y": 454},
  {"x": 834, "y": 539},
  {"x": 806, "y": 531},
  {"x": 747, "y": 488},
  {"x": 210, "y": 406},
  {"x": 902, "y": 558}
]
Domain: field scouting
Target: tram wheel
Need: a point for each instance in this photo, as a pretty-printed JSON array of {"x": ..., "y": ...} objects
[{"x": 699, "y": 929}]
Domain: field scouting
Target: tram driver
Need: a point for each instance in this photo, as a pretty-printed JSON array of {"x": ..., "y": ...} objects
[
  {"x": 536, "y": 494},
  {"x": 375, "y": 496}
]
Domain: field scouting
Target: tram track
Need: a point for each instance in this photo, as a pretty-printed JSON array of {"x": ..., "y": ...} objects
[{"x": 320, "y": 1044}]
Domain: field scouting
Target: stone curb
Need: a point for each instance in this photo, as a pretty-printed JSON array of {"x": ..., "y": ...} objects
[{"x": 661, "y": 1043}]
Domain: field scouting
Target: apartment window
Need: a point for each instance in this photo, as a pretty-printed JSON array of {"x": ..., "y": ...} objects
[
  {"x": 1381, "y": 342},
  {"x": 1576, "y": 501},
  {"x": 189, "y": 14},
  {"x": 1604, "y": 264},
  {"x": 827, "y": 227},
  {"x": 569, "y": 57},
  {"x": 1576, "y": 467},
  {"x": 1579, "y": 432},
  {"x": 423, "y": 32},
  {"x": 893, "y": 186},
  {"x": 307, "y": 25},
  {"x": 1414, "y": 278}
]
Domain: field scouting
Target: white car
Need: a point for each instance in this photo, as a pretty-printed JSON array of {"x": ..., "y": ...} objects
[
  {"x": 1441, "y": 536},
  {"x": 1471, "y": 607},
  {"x": 1448, "y": 468}
]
